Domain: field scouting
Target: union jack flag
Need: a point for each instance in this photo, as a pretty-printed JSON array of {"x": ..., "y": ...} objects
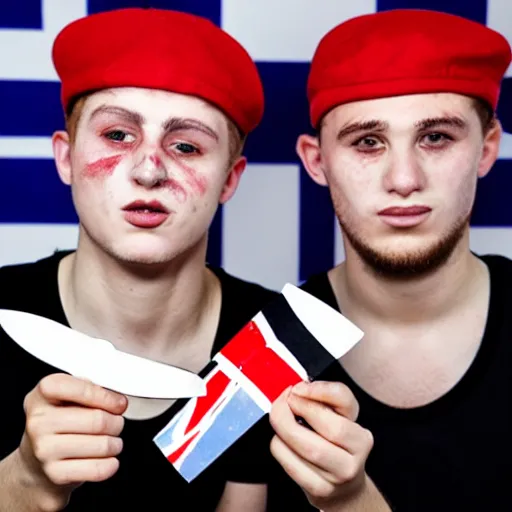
[{"x": 292, "y": 339}]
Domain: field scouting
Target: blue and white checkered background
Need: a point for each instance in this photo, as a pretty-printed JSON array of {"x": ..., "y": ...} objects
[{"x": 279, "y": 226}]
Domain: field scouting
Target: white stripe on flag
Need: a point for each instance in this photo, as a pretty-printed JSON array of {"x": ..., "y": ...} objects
[
  {"x": 21, "y": 243},
  {"x": 247, "y": 385},
  {"x": 284, "y": 31},
  {"x": 261, "y": 226},
  {"x": 26, "y": 147}
]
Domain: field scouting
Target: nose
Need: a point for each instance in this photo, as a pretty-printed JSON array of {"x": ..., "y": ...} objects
[
  {"x": 404, "y": 174},
  {"x": 150, "y": 172}
]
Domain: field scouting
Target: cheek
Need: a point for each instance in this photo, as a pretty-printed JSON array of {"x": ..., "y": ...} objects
[
  {"x": 351, "y": 183},
  {"x": 195, "y": 181},
  {"x": 455, "y": 181},
  {"x": 177, "y": 189},
  {"x": 102, "y": 168}
]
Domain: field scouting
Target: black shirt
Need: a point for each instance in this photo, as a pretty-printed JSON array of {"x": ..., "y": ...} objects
[
  {"x": 454, "y": 454},
  {"x": 145, "y": 477}
]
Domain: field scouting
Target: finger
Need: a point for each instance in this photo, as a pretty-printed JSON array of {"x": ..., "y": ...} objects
[
  {"x": 71, "y": 471},
  {"x": 312, "y": 479},
  {"x": 71, "y": 446},
  {"x": 331, "y": 426},
  {"x": 62, "y": 388},
  {"x": 74, "y": 420},
  {"x": 334, "y": 394},
  {"x": 307, "y": 444}
]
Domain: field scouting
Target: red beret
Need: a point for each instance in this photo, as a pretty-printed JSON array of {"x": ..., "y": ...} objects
[
  {"x": 159, "y": 49},
  {"x": 405, "y": 51}
]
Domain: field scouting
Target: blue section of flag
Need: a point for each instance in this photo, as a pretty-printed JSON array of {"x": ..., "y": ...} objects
[
  {"x": 21, "y": 15},
  {"x": 209, "y": 9},
  {"x": 475, "y": 10},
  {"x": 286, "y": 113},
  {"x": 236, "y": 418},
  {"x": 492, "y": 206},
  {"x": 94, "y": 6},
  {"x": 35, "y": 193},
  {"x": 316, "y": 238},
  {"x": 214, "y": 249},
  {"x": 30, "y": 109}
]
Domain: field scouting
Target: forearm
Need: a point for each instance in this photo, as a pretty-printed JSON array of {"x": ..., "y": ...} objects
[
  {"x": 368, "y": 499},
  {"x": 20, "y": 493}
]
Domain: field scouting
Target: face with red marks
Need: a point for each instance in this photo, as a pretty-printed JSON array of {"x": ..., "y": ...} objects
[{"x": 147, "y": 147}]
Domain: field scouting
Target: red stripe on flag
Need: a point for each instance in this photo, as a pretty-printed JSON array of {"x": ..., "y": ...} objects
[
  {"x": 174, "y": 456},
  {"x": 214, "y": 389},
  {"x": 248, "y": 351}
]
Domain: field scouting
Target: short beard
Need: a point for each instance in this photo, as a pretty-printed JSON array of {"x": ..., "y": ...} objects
[{"x": 408, "y": 265}]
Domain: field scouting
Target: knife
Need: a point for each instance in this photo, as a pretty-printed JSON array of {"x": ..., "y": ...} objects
[{"x": 98, "y": 360}]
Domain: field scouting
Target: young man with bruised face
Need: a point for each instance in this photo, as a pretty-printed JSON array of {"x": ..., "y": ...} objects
[
  {"x": 157, "y": 104},
  {"x": 403, "y": 103}
]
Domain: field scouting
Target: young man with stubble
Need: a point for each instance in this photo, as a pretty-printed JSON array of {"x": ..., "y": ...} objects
[{"x": 403, "y": 103}]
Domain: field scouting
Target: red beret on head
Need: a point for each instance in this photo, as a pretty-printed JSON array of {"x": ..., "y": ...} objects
[
  {"x": 159, "y": 49},
  {"x": 406, "y": 51}
]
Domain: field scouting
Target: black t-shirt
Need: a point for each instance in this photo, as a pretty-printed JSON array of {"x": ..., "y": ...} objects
[
  {"x": 145, "y": 477},
  {"x": 454, "y": 454}
]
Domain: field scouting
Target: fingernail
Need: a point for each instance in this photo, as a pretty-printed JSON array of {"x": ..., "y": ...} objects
[{"x": 300, "y": 389}]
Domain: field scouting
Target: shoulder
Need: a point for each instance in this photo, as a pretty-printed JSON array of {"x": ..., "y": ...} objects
[
  {"x": 249, "y": 293},
  {"x": 24, "y": 283},
  {"x": 241, "y": 301},
  {"x": 500, "y": 273},
  {"x": 320, "y": 287},
  {"x": 497, "y": 264}
]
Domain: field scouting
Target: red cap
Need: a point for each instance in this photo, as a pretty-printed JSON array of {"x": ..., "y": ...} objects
[
  {"x": 406, "y": 51},
  {"x": 159, "y": 49}
]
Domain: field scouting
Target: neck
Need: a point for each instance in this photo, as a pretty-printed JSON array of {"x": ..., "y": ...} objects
[
  {"x": 147, "y": 310},
  {"x": 362, "y": 292}
]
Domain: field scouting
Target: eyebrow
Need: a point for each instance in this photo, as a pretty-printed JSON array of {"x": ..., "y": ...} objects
[
  {"x": 129, "y": 115},
  {"x": 179, "y": 123},
  {"x": 374, "y": 125},
  {"x": 171, "y": 125},
  {"x": 380, "y": 126},
  {"x": 435, "y": 122}
]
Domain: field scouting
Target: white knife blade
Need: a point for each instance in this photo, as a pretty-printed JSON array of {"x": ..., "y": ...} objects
[{"x": 98, "y": 360}]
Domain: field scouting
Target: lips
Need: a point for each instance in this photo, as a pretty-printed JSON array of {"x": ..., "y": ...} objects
[
  {"x": 400, "y": 217},
  {"x": 405, "y": 211},
  {"x": 145, "y": 206},
  {"x": 145, "y": 214}
]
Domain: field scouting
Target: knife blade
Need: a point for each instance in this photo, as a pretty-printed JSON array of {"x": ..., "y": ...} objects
[{"x": 98, "y": 360}]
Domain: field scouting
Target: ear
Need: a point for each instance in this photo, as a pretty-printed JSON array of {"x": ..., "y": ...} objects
[
  {"x": 233, "y": 179},
  {"x": 62, "y": 155},
  {"x": 490, "y": 149},
  {"x": 308, "y": 149}
]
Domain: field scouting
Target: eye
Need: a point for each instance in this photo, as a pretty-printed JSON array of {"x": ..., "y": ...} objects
[
  {"x": 184, "y": 147},
  {"x": 367, "y": 143},
  {"x": 436, "y": 139},
  {"x": 119, "y": 136}
]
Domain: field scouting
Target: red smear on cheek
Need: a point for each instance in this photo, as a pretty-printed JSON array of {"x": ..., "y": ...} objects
[
  {"x": 198, "y": 183},
  {"x": 102, "y": 168},
  {"x": 179, "y": 191}
]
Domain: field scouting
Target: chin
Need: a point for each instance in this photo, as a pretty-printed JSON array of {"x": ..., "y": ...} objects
[
  {"x": 407, "y": 255},
  {"x": 143, "y": 252}
]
